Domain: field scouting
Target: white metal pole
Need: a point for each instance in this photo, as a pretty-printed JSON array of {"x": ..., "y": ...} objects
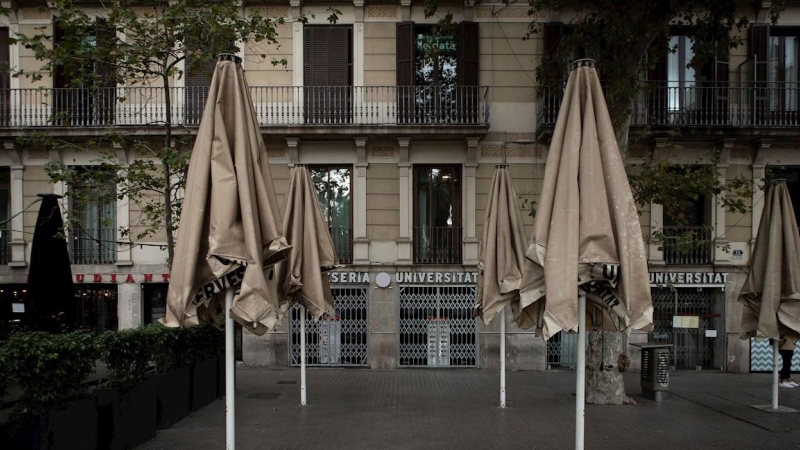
[
  {"x": 503, "y": 358},
  {"x": 302, "y": 355},
  {"x": 230, "y": 375},
  {"x": 580, "y": 384},
  {"x": 775, "y": 374}
]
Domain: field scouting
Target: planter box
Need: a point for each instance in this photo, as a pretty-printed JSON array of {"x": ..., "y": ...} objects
[
  {"x": 69, "y": 427},
  {"x": 173, "y": 397},
  {"x": 204, "y": 382},
  {"x": 127, "y": 416},
  {"x": 220, "y": 376}
]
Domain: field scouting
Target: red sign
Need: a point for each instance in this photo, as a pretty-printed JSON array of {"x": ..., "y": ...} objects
[{"x": 112, "y": 277}]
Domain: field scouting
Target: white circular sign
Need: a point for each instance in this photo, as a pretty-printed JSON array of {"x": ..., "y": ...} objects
[{"x": 383, "y": 280}]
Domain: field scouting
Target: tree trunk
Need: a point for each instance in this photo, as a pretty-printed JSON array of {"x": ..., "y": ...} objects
[
  {"x": 606, "y": 360},
  {"x": 167, "y": 173}
]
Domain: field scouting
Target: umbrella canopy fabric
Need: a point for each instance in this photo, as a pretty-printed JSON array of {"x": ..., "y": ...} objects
[
  {"x": 503, "y": 254},
  {"x": 772, "y": 289},
  {"x": 50, "y": 297},
  {"x": 301, "y": 276},
  {"x": 230, "y": 231},
  {"x": 587, "y": 231}
]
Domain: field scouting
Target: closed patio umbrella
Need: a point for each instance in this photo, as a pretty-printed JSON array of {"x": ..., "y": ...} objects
[
  {"x": 50, "y": 299},
  {"x": 587, "y": 239},
  {"x": 301, "y": 277},
  {"x": 502, "y": 259},
  {"x": 771, "y": 292},
  {"x": 230, "y": 231}
]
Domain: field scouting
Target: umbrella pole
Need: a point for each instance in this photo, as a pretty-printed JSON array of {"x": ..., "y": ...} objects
[
  {"x": 774, "y": 374},
  {"x": 580, "y": 384},
  {"x": 302, "y": 355},
  {"x": 230, "y": 381},
  {"x": 503, "y": 358}
]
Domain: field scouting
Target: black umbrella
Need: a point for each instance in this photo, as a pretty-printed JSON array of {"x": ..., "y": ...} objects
[{"x": 50, "y": 300}]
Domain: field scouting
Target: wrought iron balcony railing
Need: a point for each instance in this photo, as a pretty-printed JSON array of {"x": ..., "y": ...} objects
[
  {"x": 343, "y": 243},
  {"x": 688, "y": 245},
  {"x": 93, "y": 245},
  {"x": 274, "y": 106},
  {"x": 670, "y": 103},
  {"x": 437, "y": 245}
]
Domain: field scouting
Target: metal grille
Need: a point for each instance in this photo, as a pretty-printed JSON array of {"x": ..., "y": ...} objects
[
  {"x": 338, "y": 340},
  {"x": 437, "y": 326},
  {"x": 562, "y": 350},
  {"x": 692, "y": 346}
]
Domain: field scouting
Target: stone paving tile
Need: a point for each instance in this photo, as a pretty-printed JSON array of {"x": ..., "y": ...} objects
[{"x": 457, "y": 409}]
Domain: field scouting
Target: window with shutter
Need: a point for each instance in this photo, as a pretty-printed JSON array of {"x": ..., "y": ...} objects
[
  {"x": 781, "y": 74},
  {"x": 5, "y": 77},
  {"x": 197, "y": 82},
  {"x": 328, "y": 74},
  {"x": 759, "y": 42}
]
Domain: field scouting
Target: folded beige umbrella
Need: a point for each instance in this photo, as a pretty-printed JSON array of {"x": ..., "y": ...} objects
[
  {"x": 230, "y": 230},
  {"x": 503, "y": 248},
  {"x": 301, "y": 278},
  {"x": 771, "y": 292},
  {"x": 587, "y": 231}
]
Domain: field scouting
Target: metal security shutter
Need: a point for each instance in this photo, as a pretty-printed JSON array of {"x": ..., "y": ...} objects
[
  {"x": 327, "y": 74},
  {"x": 405, "y": 71}
]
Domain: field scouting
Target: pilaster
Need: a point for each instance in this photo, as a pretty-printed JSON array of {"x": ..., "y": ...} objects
[
  {"x": 759, "y": 174},
  {"x": 123, "y": 212},
  {"x": 360, "y": 239},
  {"x": 471, "y": 245},
  {"x": 16, "y": 247},
  {"x": 404, "y": 242},
  {"x": 721, "y": 256}
]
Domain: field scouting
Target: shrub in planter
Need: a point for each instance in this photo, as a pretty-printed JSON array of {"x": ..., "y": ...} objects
[
  {"x": 127, "y": 402},
  {"x": 206, "y": 343},
  {"x": 173, "y": 374},
  {"x": 56, "y": 411}
]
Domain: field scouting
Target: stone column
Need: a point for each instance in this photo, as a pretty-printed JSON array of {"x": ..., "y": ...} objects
[
  {"x": 360, "y": 239},
  {"x": 404, "y": 242},
  {"x": 129, "y": 305},
  {"x": 656, "y": 225},
  {"x": 471, "y": 245}
]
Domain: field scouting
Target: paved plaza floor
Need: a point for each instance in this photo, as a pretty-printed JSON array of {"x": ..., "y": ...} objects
[{"x": 458, "y": 409}]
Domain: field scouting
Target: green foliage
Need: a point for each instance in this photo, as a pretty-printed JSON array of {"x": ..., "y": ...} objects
[
  {"x": 50, "y": 368},
  {"x": 126, "y": 354},
  {"x": 205, "y": 341},
  {"x": 118, "y": 44},
  {"x": 170, "y": 347}
]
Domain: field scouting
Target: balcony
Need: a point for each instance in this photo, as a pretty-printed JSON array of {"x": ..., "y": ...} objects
[
  {"x": 343, "y": 243},
  {"x": 687, "y": 245},
  {"x": 437, "y": 245},
  {"x": 448, "y": 110},
  {"x": 93, "y": 245},
  {"x": 737, "y": 109}
]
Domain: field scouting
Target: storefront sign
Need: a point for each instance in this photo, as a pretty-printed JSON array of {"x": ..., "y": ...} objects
[
  {"x": 720, "y": 278},
  {"x": 120, "y": 278},
  {"x": 437, "y": 277},
  {"x": 349, "y": 277}
]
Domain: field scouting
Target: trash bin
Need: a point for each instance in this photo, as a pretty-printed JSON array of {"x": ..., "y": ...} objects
[{"x": 655, "y": 370}]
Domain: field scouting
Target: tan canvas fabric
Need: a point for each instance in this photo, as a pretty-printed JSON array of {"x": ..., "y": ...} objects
[
  {"x": 586, "y": 231},
  {"x": 230, "y": 230},
  {"x": 503, "y": 249},
  {"x": 302, "y": 278},
  {"x": 771, "y": 292}
]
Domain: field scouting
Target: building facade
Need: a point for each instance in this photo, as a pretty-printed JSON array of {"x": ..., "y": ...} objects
[{"x": 402, "y": 143}]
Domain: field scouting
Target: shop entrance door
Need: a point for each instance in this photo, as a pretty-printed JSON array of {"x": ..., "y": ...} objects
[
  {"x": 437, "y": 326},
  {"x": 690, "y": 318}
]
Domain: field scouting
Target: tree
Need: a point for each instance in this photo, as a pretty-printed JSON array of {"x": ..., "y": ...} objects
[{"x": 143, "y": 46}]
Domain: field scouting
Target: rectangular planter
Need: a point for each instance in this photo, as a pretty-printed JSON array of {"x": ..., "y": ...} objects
[
  {"x": 173, "y": 396},
  {"x": 204, "y": 382},
  {"x": 69, "y": 427},
  {"x": 127, "y": 416},
  {"x": 220, "y": 376}
]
